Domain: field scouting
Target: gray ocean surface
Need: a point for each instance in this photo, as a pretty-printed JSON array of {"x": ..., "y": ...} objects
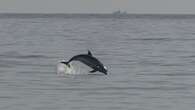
[{"x": 150, "y": 59}]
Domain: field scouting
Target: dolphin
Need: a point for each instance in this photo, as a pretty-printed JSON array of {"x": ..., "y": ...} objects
[{"x": 89, "y": 60}]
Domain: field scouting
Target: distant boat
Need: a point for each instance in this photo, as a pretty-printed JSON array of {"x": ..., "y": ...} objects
[{"x": 119, "y": 13}]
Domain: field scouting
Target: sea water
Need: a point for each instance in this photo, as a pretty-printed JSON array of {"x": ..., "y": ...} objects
[{"x": 150, "y": 60}]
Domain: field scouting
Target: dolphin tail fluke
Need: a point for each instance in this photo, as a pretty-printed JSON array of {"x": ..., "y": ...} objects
[{"x": 66, "y": 63}]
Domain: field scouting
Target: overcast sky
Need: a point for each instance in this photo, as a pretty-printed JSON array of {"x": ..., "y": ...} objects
[{"x": 97, "y": 6}]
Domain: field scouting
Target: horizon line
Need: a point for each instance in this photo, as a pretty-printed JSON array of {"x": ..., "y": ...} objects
[{"x": 52, "y": 13}]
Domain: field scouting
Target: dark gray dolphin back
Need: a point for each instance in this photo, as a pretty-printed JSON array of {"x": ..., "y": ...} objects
[
  {"x": 87, "y": 59},
  {"x": 90, "y": 61}
]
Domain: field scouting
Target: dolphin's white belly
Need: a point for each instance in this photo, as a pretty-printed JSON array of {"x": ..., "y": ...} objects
[{"x": 76, "y": 67}]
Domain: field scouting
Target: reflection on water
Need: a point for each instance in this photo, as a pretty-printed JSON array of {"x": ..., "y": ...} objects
[{"x": 150, "y": 62}]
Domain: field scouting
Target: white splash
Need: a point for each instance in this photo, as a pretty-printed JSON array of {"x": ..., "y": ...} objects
[
  {"x": 63, "y": 69},
  {"x": 75, "y": 68}
]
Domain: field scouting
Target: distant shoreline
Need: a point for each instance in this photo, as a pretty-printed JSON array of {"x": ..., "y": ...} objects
[{"x": 93, "y": 15}]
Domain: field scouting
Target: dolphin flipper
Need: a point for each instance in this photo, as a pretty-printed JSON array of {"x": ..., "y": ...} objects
[{"x": 92, "y": 71}]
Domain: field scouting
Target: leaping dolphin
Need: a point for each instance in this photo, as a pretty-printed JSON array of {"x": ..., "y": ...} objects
[{"x": 90, "y": 61}]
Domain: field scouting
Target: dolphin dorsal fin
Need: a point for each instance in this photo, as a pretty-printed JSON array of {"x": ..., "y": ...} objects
[{"x": 89, "y": 53}]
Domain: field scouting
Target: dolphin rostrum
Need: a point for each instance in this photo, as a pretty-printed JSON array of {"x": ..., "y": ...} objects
[{"x": 89, "y": 60}]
